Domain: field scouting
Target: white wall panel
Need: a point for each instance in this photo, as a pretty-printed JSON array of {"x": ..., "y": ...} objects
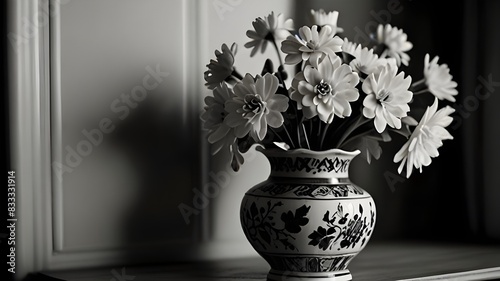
[{"x": 126, "y": 190}]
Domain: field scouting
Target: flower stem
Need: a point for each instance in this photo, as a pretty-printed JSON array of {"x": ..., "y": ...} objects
[
  {"x": 419, "y": 82},
  {"x": 277, "y": 51},
  {"x": 421, "y": 92},
  {"x": 305, "y": 135},
  {"x": 276, "y": 134},
  {"x": 289, "y": 137},
  {"x": 319, "y": 127},
  {"x": 298, "y": 132},
  {"x": 325, "y": 130},
  {"x": 352, "y": 128}
]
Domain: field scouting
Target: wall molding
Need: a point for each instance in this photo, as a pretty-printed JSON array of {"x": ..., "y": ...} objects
[{"x": 30, "y": 130}]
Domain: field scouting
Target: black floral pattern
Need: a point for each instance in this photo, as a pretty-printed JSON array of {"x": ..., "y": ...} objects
[
  {"x": 312, "y": 190},
  {"x": 309, "y": 165},
  {"x": 259, "y": 226},
  {"x": 293, "y": 222},
  {"x": 343, "y": 230},
  {"x": 308, "y": 264}
]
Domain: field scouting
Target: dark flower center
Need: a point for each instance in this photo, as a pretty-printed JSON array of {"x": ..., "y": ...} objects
[
  {"x": 253, "y": 104},
  {"x": 323, "y": 88}
]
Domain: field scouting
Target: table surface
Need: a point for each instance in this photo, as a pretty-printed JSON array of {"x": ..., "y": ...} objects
[{"x": 378, "y": 261}]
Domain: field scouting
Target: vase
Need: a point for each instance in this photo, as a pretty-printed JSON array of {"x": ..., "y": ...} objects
[{"x": 308, "y": 220}]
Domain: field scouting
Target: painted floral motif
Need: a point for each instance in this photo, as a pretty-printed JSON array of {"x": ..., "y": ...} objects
[
  {"x": 313, "y": 190},
  {"x": 310, "y": 165},
  {"x": 309, "y": 264},
  {"x": 343, "y": 230},
  {"x": 260, "y": 227}
]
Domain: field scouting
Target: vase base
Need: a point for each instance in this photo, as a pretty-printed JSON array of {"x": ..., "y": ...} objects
[{"x": 278, "y": 275}]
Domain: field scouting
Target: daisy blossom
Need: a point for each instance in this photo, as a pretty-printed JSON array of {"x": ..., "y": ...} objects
[
  {"x": 325, "y": 91},
  {"x": 311, "y": 45},
  {"x": 220, "y": 135},
  {"x": 268, "y": 28},
  {"x": 321, "y": 18},
  {"x": 387, "y": 97},
  {"x": 395, "y": 42},
  {"x": 438, "y": 79},
  {"x": 365, "y": 62},
  {"x": 255, "y": 106},
  {"x": 349, "y": 47},
  {"x": 383, "y": 63},
  {"x": 220, "y": 69},
  {"x": 425, "y": 140}
]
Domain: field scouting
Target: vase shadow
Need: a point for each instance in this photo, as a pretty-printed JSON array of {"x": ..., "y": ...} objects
[{"x": 163, "y": 152}]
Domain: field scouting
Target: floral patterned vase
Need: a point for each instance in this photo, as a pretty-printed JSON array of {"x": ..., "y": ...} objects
[{"x": 307, "y": 220}]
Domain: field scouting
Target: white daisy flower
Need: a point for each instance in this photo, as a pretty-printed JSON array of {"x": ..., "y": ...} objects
[
  {"x": 220, "y": 135},
  {"x": 311, "y": 45},
  {"x": 387, "y": 97},
  {"x": 383, "y": 62},
  {"x": 255, "y": 106},
  {"x": 395, "y": 42},
  {"x": 268, "y": 28},
  {"x": 321, "y": 18},
  {"x": 349, "y": 47},
  {"x": 325, "y": 91},
  {"x": 438, "y": 79},
  {"x": 425, "y": 140},
  {"x": 220, "y": 69},
  {"x": 365, "y": 62}
]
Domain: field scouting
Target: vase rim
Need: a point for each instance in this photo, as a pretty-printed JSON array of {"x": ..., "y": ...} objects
[{"x": 297, "y": 151}]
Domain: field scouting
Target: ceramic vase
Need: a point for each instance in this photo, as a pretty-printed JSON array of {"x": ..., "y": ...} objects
[{"x": 308, "y": 220}]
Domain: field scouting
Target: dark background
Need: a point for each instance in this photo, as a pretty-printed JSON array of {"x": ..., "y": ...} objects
[{"x": 448, "y": 200}]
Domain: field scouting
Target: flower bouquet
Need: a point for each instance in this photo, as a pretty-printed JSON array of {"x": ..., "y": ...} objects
[
  {"x": 343, "y": 95},
  {"x": 308, "y": 220}
]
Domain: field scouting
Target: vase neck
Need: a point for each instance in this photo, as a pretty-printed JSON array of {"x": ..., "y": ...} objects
[{"x": 323, "y": 167}]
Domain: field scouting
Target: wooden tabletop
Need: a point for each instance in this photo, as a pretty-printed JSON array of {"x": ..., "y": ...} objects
[{"x": 378, "y": 261}]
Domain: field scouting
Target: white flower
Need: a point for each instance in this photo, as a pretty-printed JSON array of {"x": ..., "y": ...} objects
[
  {"x": 220, "y": 135},
  {"x": 311, "y": 45},
  {"x": 365, "y": 62},
  {"x": 220, "y": 69},
  {"x": 322, "y": 18},
  {"x": 325, "y": 91},
  {"x": 387, "y": 97},
  {"x": 395, "y": 42},
  {"x": 268, "y": 28},
  {"x": 425, "y": 140},
  {"x": 349, "y": 47},
  {"x": 389, "y": 62},
  {"x": 438, "y": 79},
  {"x": 255, "y": 106}
]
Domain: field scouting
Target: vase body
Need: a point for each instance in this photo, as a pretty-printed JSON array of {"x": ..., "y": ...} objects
[{"x": 307, "y": 220}]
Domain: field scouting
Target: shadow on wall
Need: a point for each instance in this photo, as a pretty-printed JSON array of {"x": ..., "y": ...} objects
[{"x": 165, "y": 155}]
